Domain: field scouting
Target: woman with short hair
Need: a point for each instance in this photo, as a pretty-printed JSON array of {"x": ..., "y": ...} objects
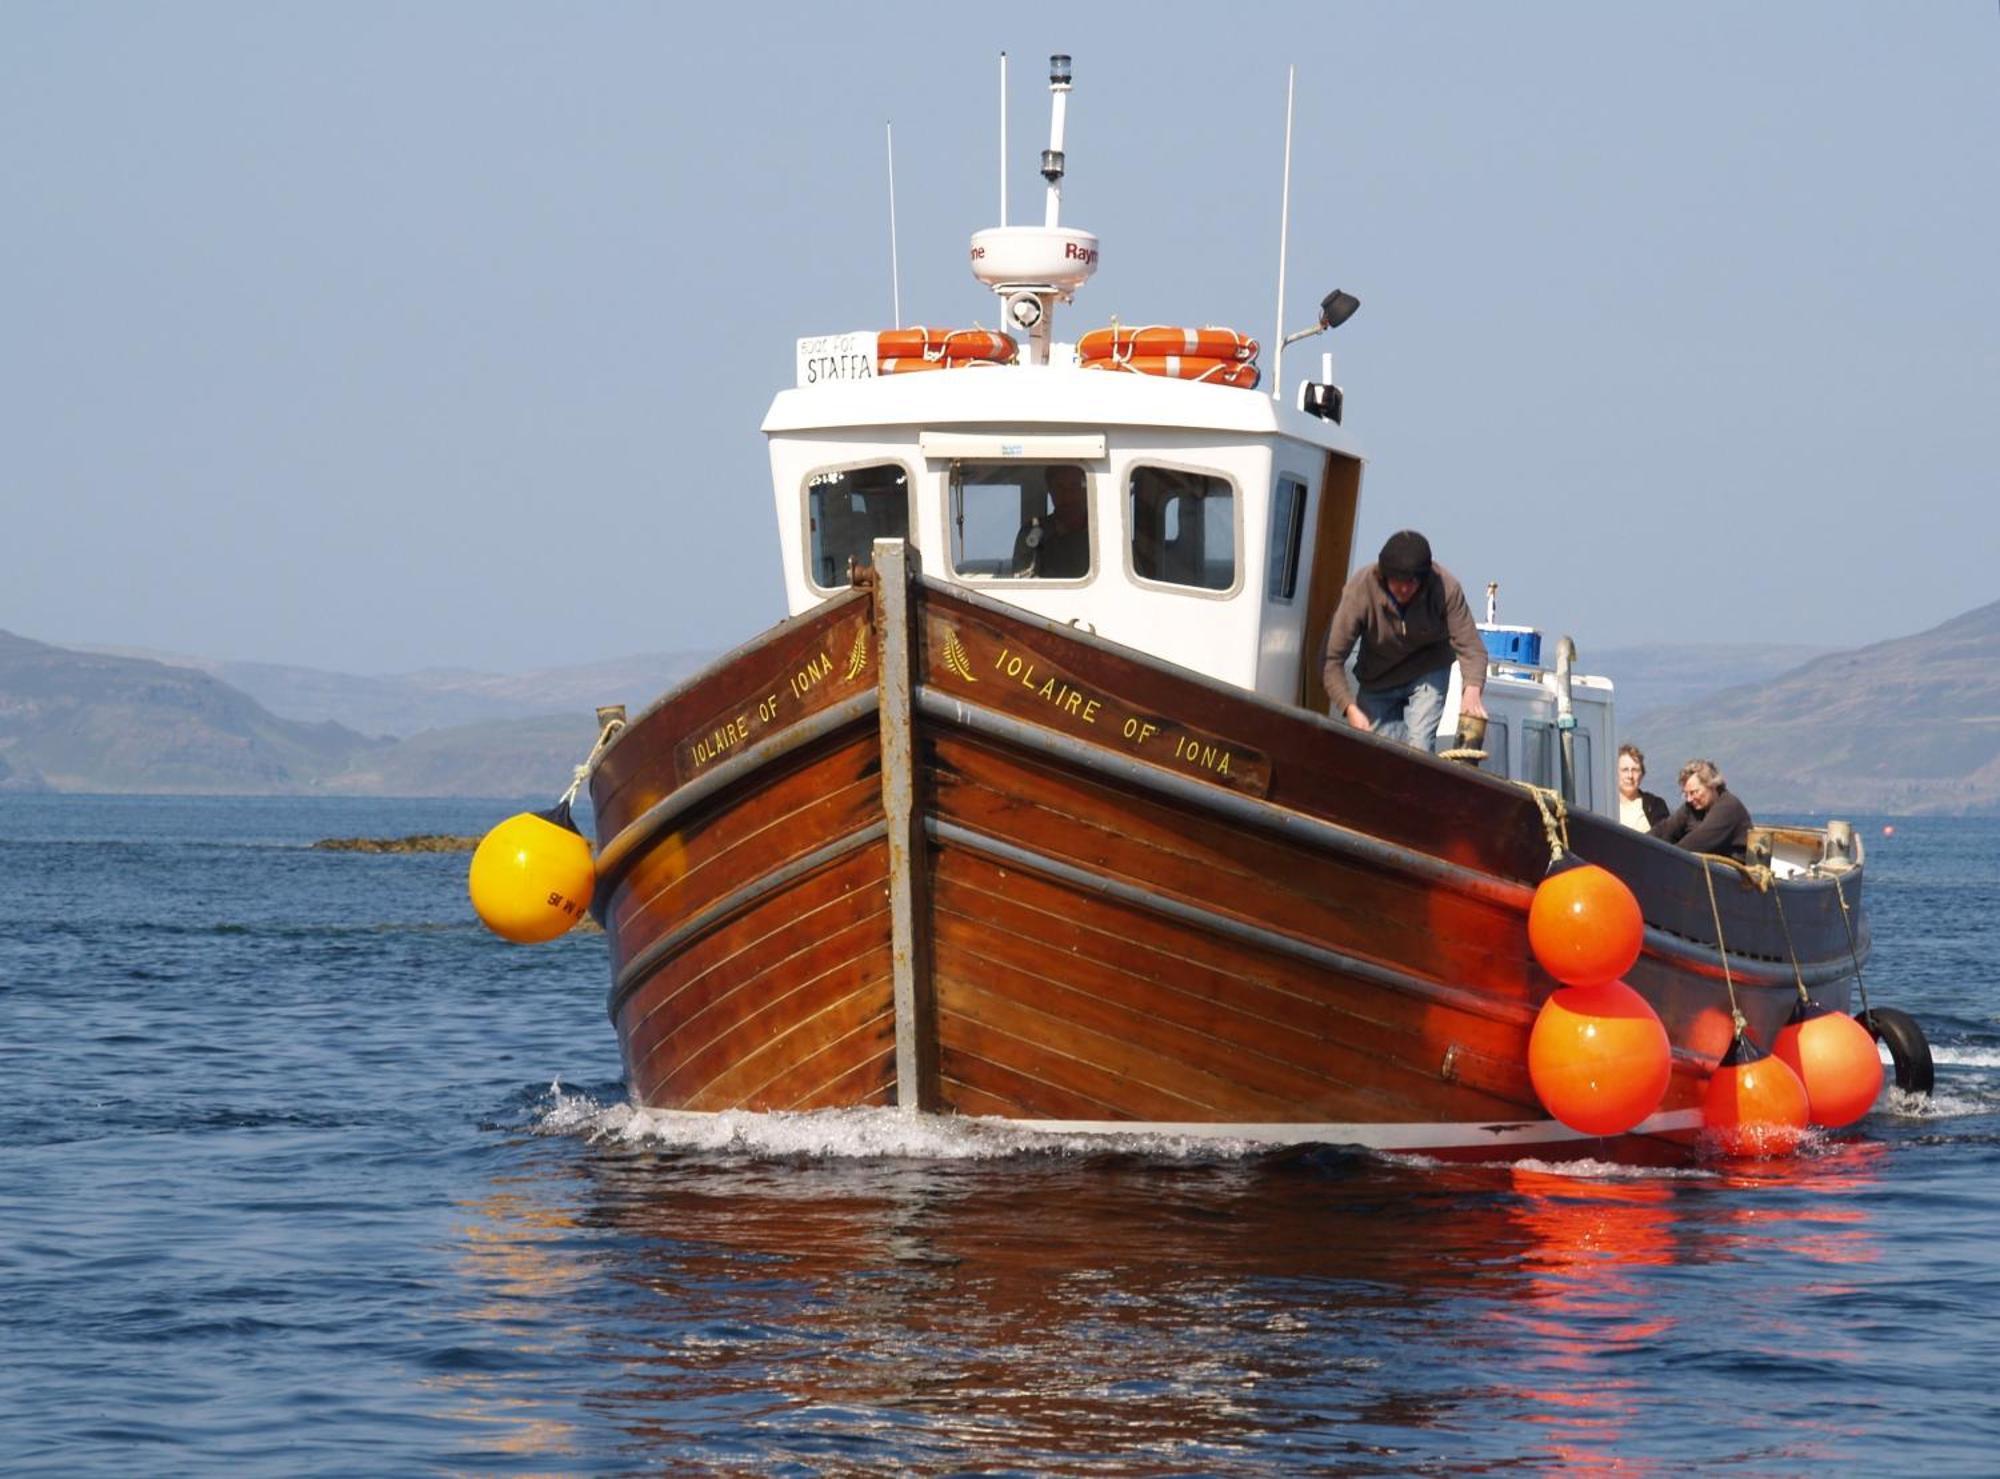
[{"x": 1640, "y": 810}]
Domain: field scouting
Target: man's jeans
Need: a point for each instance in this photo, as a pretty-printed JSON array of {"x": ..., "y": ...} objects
[{"x": 1410, "y": 711}]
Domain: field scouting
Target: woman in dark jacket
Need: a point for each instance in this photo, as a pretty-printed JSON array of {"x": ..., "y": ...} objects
[
  {"x": 1712, "y": 820},
  {"x": 1636, "y": 808}
]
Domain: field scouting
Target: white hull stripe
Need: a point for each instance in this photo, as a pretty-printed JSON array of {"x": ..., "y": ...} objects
[
  {"x": 1418, "y": 1136},
  {"x": 1450, "y": 1135}
]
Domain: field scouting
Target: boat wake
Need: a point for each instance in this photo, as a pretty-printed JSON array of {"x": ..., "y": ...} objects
[{"x": 855, "y": 1134}]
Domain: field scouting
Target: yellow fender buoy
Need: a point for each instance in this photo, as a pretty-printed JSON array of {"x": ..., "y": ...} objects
[{"x": 531, "y": 876}]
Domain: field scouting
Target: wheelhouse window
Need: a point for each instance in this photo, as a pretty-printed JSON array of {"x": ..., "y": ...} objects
[
  {"x": 1288, "y": 528},
  {"x": 1020, "y": 520},
  {"x": 1183, "y": 527},
  {"x": 847, "y": 510},
  {"x": 1538, "y": 753}
]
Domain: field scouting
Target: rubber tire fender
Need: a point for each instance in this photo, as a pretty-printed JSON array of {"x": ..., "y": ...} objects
[{"x": 1907, "y": 1046}]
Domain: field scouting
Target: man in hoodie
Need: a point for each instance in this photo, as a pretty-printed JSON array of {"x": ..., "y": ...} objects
[{"x": 1409, "y": 618}]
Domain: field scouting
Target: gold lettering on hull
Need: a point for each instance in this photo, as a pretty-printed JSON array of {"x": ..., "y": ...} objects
[
  {"x": 857, "y": 655},
  {"x": 1037, "y": 688},
  {"x": 954, "y": 656},
  {"x": 801, "y": 684},
  {"x": 811, "y": 675}
]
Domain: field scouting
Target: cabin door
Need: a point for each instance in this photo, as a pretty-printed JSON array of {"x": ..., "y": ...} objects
[{"x": 1333, "y": 547}]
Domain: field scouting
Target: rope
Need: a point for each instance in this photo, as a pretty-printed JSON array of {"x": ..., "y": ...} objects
[
  {"x": 1555, "y": 821},
  {"x": 1853, "y": 952},
  {"x": 604, "y": 738},
  {"x": 1785, "y": 928},
  {"x": 1736, "y": 1016}
]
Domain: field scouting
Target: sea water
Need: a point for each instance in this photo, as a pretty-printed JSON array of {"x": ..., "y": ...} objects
[{"x": 300, "y": 1171}]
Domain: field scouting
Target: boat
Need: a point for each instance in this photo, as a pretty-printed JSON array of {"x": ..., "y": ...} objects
[{"x": 1047, "y": 824}]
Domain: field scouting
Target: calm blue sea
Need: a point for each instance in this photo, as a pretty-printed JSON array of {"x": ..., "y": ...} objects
[{"x": 300, "y": 1171}]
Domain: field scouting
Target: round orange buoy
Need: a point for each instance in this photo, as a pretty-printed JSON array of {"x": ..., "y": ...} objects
[
  {"x": 1888, "y": 831},
  {"x": 1754, "y": 1104},
  {"x": 531, "y": 876},
  {"x": 1835, "y": 1058},
  {"x": 1599, "y": 1058},
  {"x": 1584, "y": 926}
]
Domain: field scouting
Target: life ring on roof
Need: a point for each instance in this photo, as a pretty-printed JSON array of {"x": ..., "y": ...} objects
[
  {"x": 906, "y": 366},
  {"x": 899, "y": 351},
  {"x": 1123, "y": 342},
  {"x": 1183, "y": 367}
]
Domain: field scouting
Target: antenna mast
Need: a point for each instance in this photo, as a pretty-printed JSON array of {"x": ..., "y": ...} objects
[
  {"x": 895, "y": 275},
  {"x": 1003, "y": 138},
  {"x": 1052, "y": 157},
  {"x": 1284, "y": 230},
  {"x": 1033, "y": 268}
]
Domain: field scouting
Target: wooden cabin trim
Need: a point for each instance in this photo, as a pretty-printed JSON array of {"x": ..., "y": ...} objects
[
  {"x": 896, "y": 574},
  {"x": 618, "y": 854},
  {"x": 642, "y": 965}
]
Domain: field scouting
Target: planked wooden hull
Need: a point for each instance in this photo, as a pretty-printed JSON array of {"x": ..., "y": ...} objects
[{"x": 919, "y": 848}]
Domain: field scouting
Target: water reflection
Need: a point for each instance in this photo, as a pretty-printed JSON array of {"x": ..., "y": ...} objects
[{"x": 1133, "y": 1313}]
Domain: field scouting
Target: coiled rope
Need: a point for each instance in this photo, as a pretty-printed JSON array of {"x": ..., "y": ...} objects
[{"x": 1555, "y": 820}]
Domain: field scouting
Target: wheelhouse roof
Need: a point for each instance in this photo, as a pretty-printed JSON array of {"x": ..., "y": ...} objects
[{"x": 1024, "y": 396}]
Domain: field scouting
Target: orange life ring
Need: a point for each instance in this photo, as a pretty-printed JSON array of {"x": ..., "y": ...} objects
[
  {"x": 946, "y": 344},
  {"x": 903, "y": 365},
  {"x": 1183, "y": 367},
  {"x": 1122, "y": 341}
]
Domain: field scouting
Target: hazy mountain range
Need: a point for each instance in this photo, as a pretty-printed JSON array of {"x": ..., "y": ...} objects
[
  {"x": 109, "y": 720},
  {"x": 1905, "y": 726}
]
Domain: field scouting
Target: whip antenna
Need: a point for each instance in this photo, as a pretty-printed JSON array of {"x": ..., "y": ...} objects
[
  {"x": 1003, "y": 138},
  {"x": 895, "y": 275},
  {"x": 1284, "y": 228}
]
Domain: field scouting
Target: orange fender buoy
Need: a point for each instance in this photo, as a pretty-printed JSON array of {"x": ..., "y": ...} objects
[
  {"x": 1599, "y": 1058},
  {"x": 1754, "y": 1104},
  {"x": 1183, "y": 367},
  {"x": 1584, "y": 926},
  {"x": 1119, "y": 341},
  {"x": 1835, "y": 1058}
]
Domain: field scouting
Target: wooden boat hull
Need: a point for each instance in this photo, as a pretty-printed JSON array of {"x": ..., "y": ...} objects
[{"x": 918, "y": 848}]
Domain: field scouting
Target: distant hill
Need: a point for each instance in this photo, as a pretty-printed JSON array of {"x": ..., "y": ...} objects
[
  {"x": 440, "y": 698},
  {"x": 1671, "y": 675},
  {"x": 1911, "y": 725},
  {"x": 1903, "y": 727},
  {"x": 76, "y": 721},
  {"x": 514, "y": 757}
]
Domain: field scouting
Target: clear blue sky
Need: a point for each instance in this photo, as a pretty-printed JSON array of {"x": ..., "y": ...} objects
[{"x": 375, "y": 337}]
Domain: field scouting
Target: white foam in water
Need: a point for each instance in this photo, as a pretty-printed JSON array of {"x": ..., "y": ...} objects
[
  {"x": 1936, "y": 1105},
  {"x": 842, "y": 1134},
  {"x": 1591, "y": 1170},
  {"x": 1966, "y": 1057}
]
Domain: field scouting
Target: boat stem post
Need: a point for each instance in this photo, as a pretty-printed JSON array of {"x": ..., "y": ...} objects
[{"x": 909, "y": 940}]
